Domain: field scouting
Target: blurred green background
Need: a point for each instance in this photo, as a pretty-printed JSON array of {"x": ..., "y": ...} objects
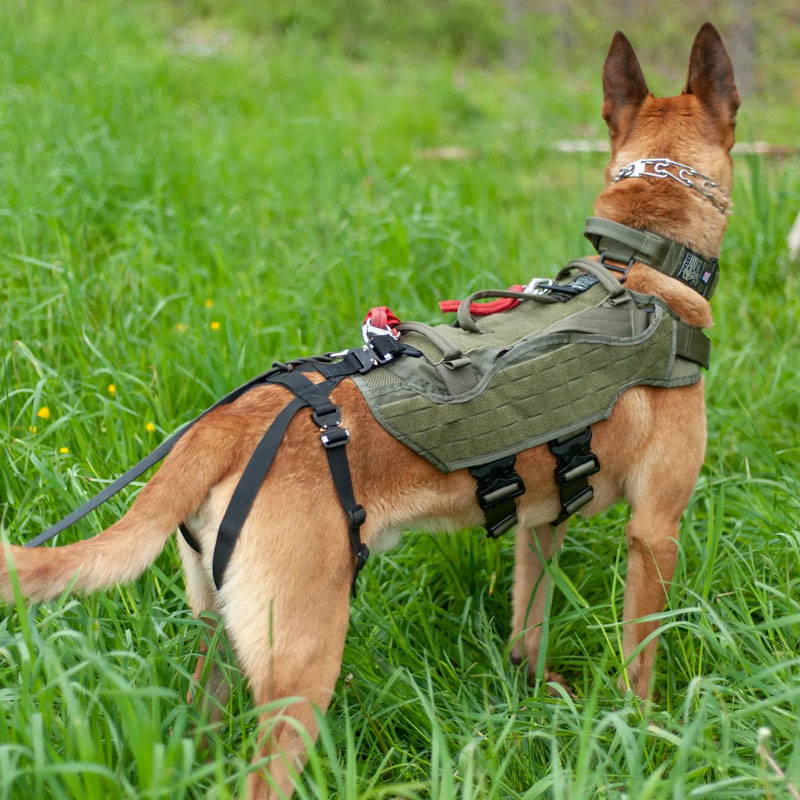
[{"x": 545, "y": 37}]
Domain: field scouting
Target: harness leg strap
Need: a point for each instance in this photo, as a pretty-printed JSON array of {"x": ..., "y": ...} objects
[
  {"x": 246, "y": 490},
  {"x": 189, "y": 538},
  {"x": 342, "y": 480},
  {"x": 333, "y": 438}
]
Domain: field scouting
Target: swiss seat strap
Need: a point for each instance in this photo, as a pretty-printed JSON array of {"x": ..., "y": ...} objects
[
  {"x": 333, "y": 437},
  {"x": 246, "y": 490}
]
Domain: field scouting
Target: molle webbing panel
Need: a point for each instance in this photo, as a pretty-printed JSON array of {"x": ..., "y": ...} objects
[{"x": 557, "y": 379}]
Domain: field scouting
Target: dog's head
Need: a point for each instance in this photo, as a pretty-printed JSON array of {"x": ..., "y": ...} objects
[{"x": 695, "y": 128}]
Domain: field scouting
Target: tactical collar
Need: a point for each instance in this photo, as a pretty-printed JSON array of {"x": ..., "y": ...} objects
[{"x": 617, "y": 242}]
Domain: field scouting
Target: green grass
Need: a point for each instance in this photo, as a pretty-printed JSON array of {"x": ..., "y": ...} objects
[{"x": 279, "y": 179}]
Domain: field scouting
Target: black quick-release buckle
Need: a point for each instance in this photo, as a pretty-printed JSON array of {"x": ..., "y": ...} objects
[
  {"x": 570, "y": 506},
  {"x": 385, "y": 348},
  {"x": 575, "y": 462},
  {"x": 365, "y": 357},
  {"x": 498, "y": 485},
  {"x": 326, "y": 415},
  {"x": 567, "y": 449}
]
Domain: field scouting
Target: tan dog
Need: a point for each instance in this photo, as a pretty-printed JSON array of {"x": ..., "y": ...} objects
[{"x": 285, "y": 598}]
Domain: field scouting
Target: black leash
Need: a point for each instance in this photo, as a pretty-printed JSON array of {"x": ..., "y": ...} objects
[{"x": 135, "y": 471}]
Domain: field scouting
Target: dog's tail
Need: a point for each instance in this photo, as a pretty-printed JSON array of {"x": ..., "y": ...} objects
[{"x": 121, "y": 552}]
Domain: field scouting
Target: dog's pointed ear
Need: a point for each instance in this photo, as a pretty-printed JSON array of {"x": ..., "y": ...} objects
[
  {"x": 624, "y": 87},
  {"x": 711, "y": 74}
]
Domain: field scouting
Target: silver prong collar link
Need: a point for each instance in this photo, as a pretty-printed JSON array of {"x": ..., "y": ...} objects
[{"x": 681, "y": 173}]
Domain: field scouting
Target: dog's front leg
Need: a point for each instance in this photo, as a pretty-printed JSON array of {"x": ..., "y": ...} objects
[
  {"x": 652, "y": 556},
  {"x": 532, "y": 588},
  {"x": 658, "y": 488}
]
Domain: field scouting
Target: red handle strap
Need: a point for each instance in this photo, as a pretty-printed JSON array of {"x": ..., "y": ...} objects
[{"x": 484, "y": 309}]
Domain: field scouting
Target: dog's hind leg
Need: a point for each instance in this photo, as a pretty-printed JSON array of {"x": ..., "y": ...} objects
[
  {"x": 532, "y": 586},
  {"x": 285, "y": 600}
]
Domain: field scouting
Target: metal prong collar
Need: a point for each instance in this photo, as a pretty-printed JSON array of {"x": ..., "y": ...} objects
[{"x": 681, "y": 173}]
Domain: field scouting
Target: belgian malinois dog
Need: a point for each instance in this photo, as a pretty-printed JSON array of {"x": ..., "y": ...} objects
[{"x": 277, "y": 582}]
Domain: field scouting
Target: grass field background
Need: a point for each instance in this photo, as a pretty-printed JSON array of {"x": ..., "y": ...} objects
[{"x": 189, "y": 193}]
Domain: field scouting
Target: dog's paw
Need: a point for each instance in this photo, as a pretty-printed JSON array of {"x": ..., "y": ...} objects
[
  {"x": 516, "y": 658},
  {"x": 557, "y": 677}
]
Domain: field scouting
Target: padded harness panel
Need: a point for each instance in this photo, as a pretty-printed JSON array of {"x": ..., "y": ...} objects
[{"x": 542, "y": 372}]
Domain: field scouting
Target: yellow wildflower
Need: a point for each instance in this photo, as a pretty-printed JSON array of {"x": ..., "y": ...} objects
[
  {"x": 208, "y": 303},
  {"x": 149, "y": 427},
  {"x": 181, "y": 327},
  {"x": 32, "y": 428},
  {"x": 63, "y": 450},
  {"x": 112, "y": 389},
  {"x": 215, "y": 326},
  {"x": 43, "y": 413}
]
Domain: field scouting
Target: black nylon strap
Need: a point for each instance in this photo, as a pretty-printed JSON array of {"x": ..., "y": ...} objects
[
  {"x": 136, "y": 470},
  {"x": 334, "y": 438},
  {"x": 314, "y": 394},
  {"x": 356, "y": 515},
  {"x": 189, "y": 539},
  {"x": 356, "y": 361},
  {"x": 246, "y": 490}
]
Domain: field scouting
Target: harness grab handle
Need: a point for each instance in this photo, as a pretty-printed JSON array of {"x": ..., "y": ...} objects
[
  {"x": 450, "y": 352},
  {"x": 464, "y": 316}
]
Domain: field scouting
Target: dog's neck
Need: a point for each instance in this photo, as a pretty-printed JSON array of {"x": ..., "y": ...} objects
[
  {"x": 678, "y": 214},
  {"x": 672, "y": 211}
]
